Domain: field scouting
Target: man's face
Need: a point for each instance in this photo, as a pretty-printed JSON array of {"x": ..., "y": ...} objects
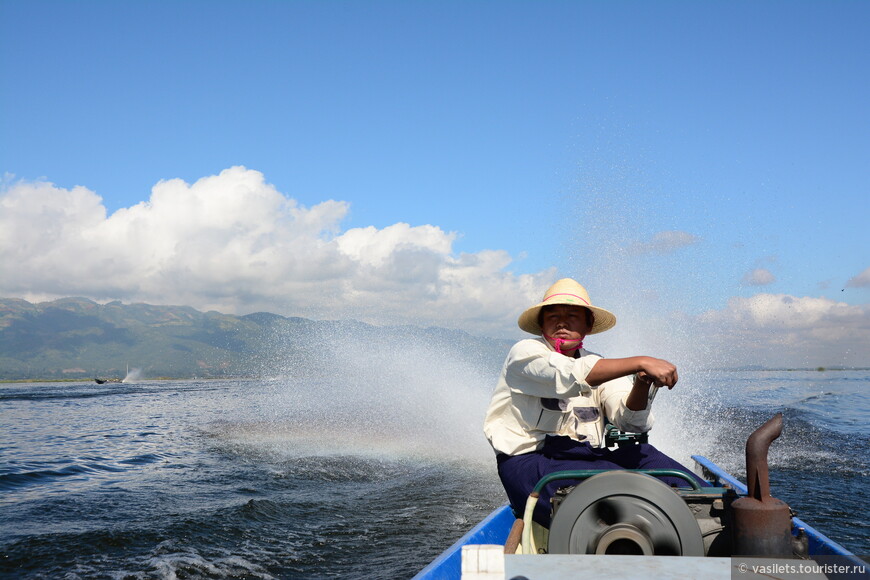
[{"x": 565, "y": 322}]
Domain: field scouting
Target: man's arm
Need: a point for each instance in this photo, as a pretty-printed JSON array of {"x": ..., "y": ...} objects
[{"x": 649, "y": 370}]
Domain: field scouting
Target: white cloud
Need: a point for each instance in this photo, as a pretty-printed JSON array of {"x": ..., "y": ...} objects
[
  {"x": 862, "y": 280},
  {"x": 779, "y": 311},
  {"x": 778, "y": 329},
  {"x": 759, "y": 277},
  {"x": 233, "y": 243},
  {"x": 665, "y": 242},
  {"x": 375, "y": 247}
]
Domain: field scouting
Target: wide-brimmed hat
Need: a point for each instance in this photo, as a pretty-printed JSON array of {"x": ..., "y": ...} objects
[{"x": 570, "y": 292}]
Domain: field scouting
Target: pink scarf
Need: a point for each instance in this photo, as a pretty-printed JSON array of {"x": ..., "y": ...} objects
[{"x": 560, "y": 342}]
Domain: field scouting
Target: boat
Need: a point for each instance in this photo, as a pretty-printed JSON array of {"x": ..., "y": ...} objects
[
  {"x": 115, "y": 380},
  {"x": 628, "y": 524}
]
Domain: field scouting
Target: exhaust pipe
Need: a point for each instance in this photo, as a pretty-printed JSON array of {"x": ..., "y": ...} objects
[{"x": 762, "y": 524}]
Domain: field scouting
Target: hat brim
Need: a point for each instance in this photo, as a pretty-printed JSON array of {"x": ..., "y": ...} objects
[{"x": 528, "y": 321}]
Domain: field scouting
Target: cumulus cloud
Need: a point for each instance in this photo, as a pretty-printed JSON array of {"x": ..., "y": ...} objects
[
  {"x": 776, "y": 329},
  {"x": 665, "y": 242},
  {"x": 759, "y": 277},
  {"x": 232, "y": 242},
  {"x": 862, "y": 280}
]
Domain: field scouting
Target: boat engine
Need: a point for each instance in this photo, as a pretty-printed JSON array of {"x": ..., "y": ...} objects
[
  {"x": 623, "y": 512},
  {"x": 633, "y": 513}
]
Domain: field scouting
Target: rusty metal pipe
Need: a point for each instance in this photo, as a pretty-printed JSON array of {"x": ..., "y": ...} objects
[
  {"x": 762, "y": 524},
  {"x": 757, "y": 473}
]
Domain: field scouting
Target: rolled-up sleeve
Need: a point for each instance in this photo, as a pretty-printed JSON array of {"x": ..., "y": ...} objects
[{"x": 613, "y": 395}]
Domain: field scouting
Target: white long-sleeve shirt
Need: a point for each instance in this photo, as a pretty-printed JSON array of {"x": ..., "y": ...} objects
[{"x": 541, "y": 392}]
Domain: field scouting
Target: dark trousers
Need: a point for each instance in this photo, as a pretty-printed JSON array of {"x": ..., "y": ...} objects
[{"x": 520, "y": 473}]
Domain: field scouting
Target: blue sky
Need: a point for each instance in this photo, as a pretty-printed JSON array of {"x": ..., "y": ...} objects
[{"x": 694, "y": 161}]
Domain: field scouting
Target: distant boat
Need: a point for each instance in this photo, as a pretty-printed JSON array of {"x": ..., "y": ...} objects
[{"x": 104, "y": 381}]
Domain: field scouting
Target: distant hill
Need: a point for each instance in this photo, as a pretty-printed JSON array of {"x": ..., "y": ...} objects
[{"x": 77, "y": 338}]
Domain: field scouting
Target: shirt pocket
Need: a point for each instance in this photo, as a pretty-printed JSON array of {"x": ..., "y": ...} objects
[
  {"x": 550, "y": 421},
  {"x": 586, "y": 414}
]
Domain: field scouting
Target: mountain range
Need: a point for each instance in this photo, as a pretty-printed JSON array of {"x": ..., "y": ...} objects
[{"x": 77, "y": 338}]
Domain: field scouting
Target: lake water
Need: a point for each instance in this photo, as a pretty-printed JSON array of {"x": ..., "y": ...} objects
[{"x": 365, "y": 474}]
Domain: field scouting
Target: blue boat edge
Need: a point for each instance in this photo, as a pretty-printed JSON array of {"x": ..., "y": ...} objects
[
  {"x": 819, "y": 543},
  {"x": 494, "y": 529}
]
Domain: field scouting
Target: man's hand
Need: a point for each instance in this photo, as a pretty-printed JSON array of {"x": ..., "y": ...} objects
[
  {"x": 661, "y": 372},
  {"x": 658, "y": 371},
  {"x": 647, "y": 371}
]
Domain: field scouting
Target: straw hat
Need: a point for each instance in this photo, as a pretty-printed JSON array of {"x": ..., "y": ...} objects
[{"x": 566, "y": 291}]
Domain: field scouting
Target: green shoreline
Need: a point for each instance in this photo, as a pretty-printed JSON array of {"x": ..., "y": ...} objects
[
  {"x": 149, "y": 379},
  {"x": 249, "y": 378}
]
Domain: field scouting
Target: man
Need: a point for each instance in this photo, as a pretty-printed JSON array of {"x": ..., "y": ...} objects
[{"x": 549, "y": 407}]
